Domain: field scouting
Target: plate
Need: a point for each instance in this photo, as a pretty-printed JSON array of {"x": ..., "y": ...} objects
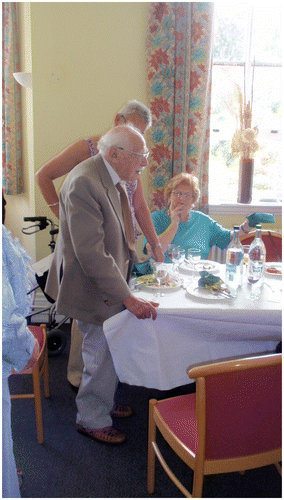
[
  {"x": 273, "y": 270},
  {"x": 202, "y": 265},
  {"x": 147, "y": 282},
  {"x": 204, "y": 294}
]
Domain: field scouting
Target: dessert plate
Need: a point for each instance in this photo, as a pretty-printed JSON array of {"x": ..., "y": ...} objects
[{"x": 273, "y": 270}]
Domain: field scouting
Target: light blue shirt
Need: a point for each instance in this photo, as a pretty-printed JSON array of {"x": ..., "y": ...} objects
[{"x": 200, "y": 231}]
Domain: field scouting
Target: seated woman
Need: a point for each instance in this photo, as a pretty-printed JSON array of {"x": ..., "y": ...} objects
[{"x": 183, "y": 226}]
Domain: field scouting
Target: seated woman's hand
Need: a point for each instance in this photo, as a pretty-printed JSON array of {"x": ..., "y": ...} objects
[{"x": 175, "y": 213}]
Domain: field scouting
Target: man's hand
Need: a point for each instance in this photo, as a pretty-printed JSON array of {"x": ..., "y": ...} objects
[{"x": 141, "y": 308}]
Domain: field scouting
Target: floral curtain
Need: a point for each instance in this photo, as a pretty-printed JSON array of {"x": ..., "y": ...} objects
[
  {"x": 11, "y": 101},
  {"x": 179, "y": 64}
]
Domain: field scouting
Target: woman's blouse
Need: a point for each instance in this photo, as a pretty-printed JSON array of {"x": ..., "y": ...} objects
[
  {"x": 17, "y": 340},
  {"x": 130, "y": 188},
  {"x": 200, "y": 231}
]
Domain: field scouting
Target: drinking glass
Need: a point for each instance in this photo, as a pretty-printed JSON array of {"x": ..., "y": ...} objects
[
  {"x": 174, "y": 255},
  {"x": 254, "y": 287},
  {"x": 193, "y": 256}
]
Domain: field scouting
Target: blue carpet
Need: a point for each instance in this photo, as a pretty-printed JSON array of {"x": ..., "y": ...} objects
[{"x": 70, "y": 465}]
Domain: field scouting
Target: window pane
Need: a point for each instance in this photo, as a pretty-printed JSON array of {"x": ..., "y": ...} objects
[
  {"x": 267, "y": 115},
  {"x": 223, "y": 167},
  {"x": 267, "y": 41},
  {"x": 231, "y": 22}
]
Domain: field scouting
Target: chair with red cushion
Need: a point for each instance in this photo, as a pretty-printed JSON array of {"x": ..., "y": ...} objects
[
  {"x": 272, "y": 241},
  {"x": 39, "y": 369},
  {"x": 232, "y": 423}
]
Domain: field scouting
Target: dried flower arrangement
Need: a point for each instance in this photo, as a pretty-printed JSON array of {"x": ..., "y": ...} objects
[{"x": 244, "y": 143}]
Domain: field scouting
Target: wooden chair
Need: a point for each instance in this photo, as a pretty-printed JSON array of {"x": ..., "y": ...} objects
[
  {"x": 40, "y": 369},
  {"x": 232, "y": 423},
  {"x": 272, "y": 241}
]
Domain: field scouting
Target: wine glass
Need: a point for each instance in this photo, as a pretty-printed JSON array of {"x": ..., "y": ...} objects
[
  {"x": 174, "y": 255},
  {"x": 160, "y": 275}
]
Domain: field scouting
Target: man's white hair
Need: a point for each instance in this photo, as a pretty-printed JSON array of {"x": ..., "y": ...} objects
[
  {"x": 120, "y": 136},
  {"x": 137, "y": 108}
]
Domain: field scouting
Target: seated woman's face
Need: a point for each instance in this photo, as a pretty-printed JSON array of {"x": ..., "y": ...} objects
[{"x": 182, "y": 196}]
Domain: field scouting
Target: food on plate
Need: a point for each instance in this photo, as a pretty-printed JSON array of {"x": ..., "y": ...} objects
[
  {"x": 273, "y": 270},
  {"x": 212, "y": 283},
  {"x": 150, "y": 280}
]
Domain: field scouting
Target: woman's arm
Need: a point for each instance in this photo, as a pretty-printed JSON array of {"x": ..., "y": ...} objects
[
  {"x": 61, "y": 165},
  {"x": 143, "y": 216}
]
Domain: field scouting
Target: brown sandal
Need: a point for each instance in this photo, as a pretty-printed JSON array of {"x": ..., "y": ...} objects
[{"x": 106, "y": 434}]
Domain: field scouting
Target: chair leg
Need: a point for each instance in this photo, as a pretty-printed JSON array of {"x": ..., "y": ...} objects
[
  {"x": 151, "y": 452},
  {"x": 38, "y": 407},
  {"x": 279, "y": 468},
  {"x": 46, "y": 390}
]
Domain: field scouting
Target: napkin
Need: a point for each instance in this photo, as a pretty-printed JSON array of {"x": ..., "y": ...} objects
[
  {"x": 141, "y": 268},
  {"x": 258, "y": 217}
]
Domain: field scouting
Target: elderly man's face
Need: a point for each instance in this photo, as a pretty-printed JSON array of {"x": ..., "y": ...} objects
[{"x": 132, "y": 160}]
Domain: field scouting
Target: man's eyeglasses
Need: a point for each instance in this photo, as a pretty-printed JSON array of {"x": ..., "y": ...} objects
[
  {"x": 142, "y": 155},
  {"x": 179, "y": 194}
]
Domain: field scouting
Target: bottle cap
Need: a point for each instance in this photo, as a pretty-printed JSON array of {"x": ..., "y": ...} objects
[
  {"x": 236, "y": 227},
  {"x": 258, "y": 226}
]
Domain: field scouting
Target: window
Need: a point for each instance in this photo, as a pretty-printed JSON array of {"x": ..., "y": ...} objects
[{"x": 247, "y": 52}]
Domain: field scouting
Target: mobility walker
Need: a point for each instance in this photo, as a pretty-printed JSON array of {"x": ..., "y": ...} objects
[{"x": 56, "y": 338}]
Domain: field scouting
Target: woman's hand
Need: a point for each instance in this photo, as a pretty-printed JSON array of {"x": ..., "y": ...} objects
[{"x": 175, "y": 213}]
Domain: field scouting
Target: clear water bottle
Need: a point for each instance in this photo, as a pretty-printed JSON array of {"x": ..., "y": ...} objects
[
  {"x": 234, "y": 263},
  {"x": 256, "y": 265}
]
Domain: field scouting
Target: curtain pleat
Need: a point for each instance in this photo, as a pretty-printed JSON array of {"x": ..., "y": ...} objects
[{"x": 12, "y": 167}]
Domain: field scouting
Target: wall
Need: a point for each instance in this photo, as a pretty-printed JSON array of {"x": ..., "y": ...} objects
[{"x": 88, "y": 60}]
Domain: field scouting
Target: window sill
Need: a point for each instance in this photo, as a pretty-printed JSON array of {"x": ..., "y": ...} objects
[{"x": 244, "y": 209}]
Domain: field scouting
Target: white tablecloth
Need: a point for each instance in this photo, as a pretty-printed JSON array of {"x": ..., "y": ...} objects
[{"x": 188, "y": 332}]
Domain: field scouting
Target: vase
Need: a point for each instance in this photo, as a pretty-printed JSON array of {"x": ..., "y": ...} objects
[{"x": 245, "y": 180}]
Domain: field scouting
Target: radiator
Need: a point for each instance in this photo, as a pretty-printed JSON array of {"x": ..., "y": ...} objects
[{"x": 217, "y": 255}]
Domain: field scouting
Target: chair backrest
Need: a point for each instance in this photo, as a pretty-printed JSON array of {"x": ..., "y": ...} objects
[
  {"x": 242, "y": 405},
  {"x": 272, "y": 241},
  {"x": 39, "y": 333}
]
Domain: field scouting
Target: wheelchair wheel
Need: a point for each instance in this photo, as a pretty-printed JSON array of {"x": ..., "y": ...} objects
[{"x": 56, "y": 341}]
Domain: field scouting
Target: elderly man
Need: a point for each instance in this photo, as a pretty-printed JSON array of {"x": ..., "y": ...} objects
[{"x": 92, "y": 263}]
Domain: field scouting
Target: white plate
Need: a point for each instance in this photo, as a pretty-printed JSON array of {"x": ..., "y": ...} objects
[
  {"x": 159, "y": 288},
  {"x": 204, "y": 294},
  {"x": 202, "y": 265},
  {"x": 277, "y": 266}
]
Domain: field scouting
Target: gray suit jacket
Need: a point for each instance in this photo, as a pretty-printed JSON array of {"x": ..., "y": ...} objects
[{"x": 91, "y": 253}]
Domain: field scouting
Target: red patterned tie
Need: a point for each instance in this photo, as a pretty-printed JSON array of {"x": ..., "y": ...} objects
[{"x": 127, "y": 217}]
